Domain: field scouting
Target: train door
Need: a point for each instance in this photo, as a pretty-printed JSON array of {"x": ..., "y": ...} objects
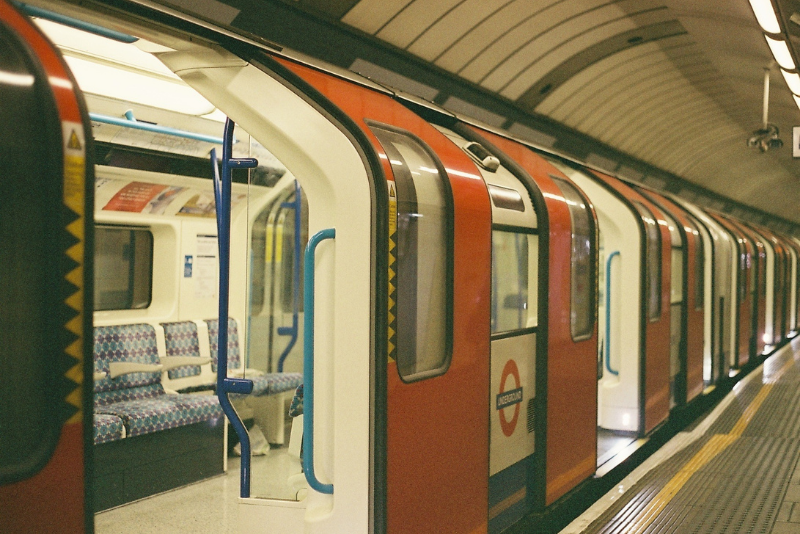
[
  {"x": 717, "y": 295},
  {"x": 565, "y": 421},
  {"x": 677, "y": 374},
  {"x": 316, "y": 143},
  {"x": 739, "y": 334},
  {"x": 45, "y": 299},
  {"x": 514, "y": 332},
  {"x": 695, "y": 286},
  {"x": 791, "y": 324},
  {"x": 437, "y": 379}
]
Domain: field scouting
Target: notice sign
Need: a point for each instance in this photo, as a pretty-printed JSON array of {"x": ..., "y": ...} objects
[
  {"x": 796, "y": 142},
  {"x": 205, "y": 267},
  {"x": 134, "y": 197}
]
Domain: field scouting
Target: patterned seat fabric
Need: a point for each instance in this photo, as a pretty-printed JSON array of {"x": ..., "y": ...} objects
[
  {"x": 168, "y": 411},
  {"x": 296, "y": 407},
  {"x": 234, "y": 360},
  {"x": 138, "y": 400},
  {"x": 107, "y": 428},
  {"x": 268, "y": 384},
  {"x": 181, "y": 340},
  {"x": 125, "y": 343}
]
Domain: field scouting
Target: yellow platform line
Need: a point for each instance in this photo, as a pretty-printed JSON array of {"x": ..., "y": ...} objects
[{"x": 710, "y": 450}]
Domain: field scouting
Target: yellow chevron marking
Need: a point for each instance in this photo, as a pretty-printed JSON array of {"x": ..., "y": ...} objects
[
  {"x": 75, "y": 349},
  {"x": 710, "y": 450},
  {"x": 391, "y": 303},
  {"x": 76, "y": 228},
  {"x": 76, "y": 252},
  {"x": 75, "y": 276},
  {"x": 75, "y": 301},
  {"x": 75, "y": 325},
  {"x": 391, "y": 349},
  {"x": 391, "y": 288},
  {"x": 75, "y": 373},
  {"x": 74, "y": 398},
  {"x": 391, "y": 317},
  {"x": 391, "y": 332},
  {"x": 74, "y": 172},
  {"x": 392, "y": 245},
  {"x": 391, "y": 274},
  {"x": 392, "y": 260}
]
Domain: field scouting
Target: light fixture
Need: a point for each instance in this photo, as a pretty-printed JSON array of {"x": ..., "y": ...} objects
[
  {"x": 781, "y": 53},
  {"x": 792, "y": 80},
  {"x": 765, "y": 15},
  {"x": 105, "y": 80}
]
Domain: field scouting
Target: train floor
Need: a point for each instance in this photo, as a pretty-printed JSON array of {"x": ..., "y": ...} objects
[
  {"x": 734, "y": 471},
  {"x": 206, "y": 507}
]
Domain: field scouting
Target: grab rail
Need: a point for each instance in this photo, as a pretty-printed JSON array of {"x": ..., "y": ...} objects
[
  {"x": 225, "y": 385},
  {"x": 308, "y": 361},
  {"x": 292, "y": 331},
  {"x": 608, "y": 312},
  {"x": 130, "y": 122}
]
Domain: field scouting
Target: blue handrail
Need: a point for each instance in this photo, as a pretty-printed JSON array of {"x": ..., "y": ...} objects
[
  {"x": 608, "y": 312},
  {"x": 308, "y": 362},
  {"x": 225, "y": 385},
  {"x": 34, "y": 11},
  {"x": 296, "y": 205},
  {"x": 130, "y": 122}
]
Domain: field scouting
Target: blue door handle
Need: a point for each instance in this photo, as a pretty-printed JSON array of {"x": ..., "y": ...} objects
[
  {"x": 308, "y": 361},
  {"x": 608, "y": 312}
]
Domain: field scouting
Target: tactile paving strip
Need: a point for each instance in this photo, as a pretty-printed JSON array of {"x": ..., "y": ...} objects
[{"x": 739, "y": 490}]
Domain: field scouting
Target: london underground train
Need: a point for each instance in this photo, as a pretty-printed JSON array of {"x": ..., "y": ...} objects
[{"x": 480, "y": 329}]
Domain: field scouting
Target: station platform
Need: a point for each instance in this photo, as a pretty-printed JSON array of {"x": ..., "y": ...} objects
[{"x": 734, "y": 471}]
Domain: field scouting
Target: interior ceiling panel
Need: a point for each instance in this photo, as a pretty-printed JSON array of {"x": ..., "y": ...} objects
[{"x": 675, "y": 84}]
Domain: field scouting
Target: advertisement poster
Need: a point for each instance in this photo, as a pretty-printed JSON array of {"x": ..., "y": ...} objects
[
  {"x": 205, "y": 267},
  {"x": 134, "y": 197}
]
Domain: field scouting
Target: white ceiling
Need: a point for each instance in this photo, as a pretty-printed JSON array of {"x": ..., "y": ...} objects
[{"x": 675, "y": 83}]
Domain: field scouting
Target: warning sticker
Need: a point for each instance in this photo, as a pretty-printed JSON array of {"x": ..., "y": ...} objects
[{"x": 74, "y": 165}]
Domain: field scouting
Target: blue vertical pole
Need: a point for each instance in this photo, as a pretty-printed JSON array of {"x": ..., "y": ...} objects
[{"x": 225, "y": 385}]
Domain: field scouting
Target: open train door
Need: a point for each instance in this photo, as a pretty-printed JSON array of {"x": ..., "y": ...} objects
[{"x": 45, "y": 212}]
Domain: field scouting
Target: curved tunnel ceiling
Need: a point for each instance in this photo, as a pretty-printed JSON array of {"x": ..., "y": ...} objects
[{"x": 676, "y": 84}]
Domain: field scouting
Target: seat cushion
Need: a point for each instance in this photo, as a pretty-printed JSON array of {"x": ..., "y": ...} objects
[
  {"x": 125, "y": 343},
  {"x": 181, "y": 339},
  {"x": 234, "y": 360},
  {"x": 107, "y": 428},
  {"x": 280, "y": 382},
  {"x": 161, "y": 413}
]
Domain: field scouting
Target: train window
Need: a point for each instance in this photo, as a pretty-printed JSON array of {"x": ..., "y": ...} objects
[
  {"x": 424, "y": 255},
  {"x": 699, "y": 263},
  {"x": 123, "y": 268},
  {"x": 676, "y": 264},
  {"x": 512, "y": 253},
  {"x": 652, "y": 261},
  {"x": 582, "y": 306}
]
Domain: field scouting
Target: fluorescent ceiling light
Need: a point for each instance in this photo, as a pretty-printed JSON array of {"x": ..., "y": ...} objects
[
  {"x": 119, "y": 84},
  {"x": 765, "y": 15},
  {"x": 781, "y": 53},
  {"x": 792, "y": 80},
  {"x": 86, "y": 44}
]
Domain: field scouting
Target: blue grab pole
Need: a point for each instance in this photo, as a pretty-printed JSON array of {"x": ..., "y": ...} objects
[
  {"x": 225, "y": 385},
  {"x": 308, "y": 362},
  {"x": 608, "y": 312}
]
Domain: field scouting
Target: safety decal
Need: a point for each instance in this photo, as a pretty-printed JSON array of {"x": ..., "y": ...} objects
[
  {"x": 74, "y": 200},
  {"x": 508, "y": 398},
  {"x": 392, "y": 346}
]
